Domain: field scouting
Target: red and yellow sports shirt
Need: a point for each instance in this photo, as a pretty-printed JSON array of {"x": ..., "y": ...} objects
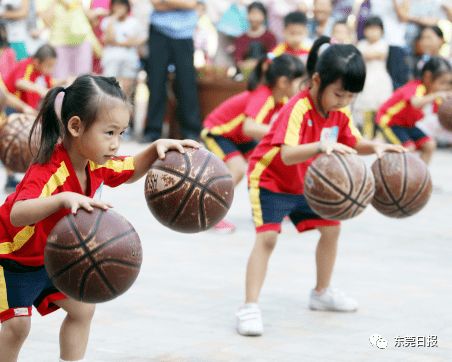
[
  {"x": 25, "y": 244},
  {"x": 302, "y": 52},
  {"x": 298, "y": 123},
  {"x": 398, "y": 110},
  {"x": 228, "y": 118},
  {"x": 27, "y": 71}
]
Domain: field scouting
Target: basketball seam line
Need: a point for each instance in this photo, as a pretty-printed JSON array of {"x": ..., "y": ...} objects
[
  {"x": 424, "y": 183},
  {"x": 95, "y": 250},
  {"x": 350, "y": 179},
  {"x": 405, "y": 178},
  {"x": 388, "y": 191},
  {"x": 362, "y": 188},
  {"x": 192, "y": 186},
  {"x": 333, "y": 186},
  {"x": 88, "y": 252},
  {"x": 193, "y": 181}
]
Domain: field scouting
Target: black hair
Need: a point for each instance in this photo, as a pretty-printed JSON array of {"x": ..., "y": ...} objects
[
  {"x": 3, "y": 36},
  {"x": 374, "y": 21},
  {"x": 121, "y": 2},
  {"x": 337, "y": 61},
  {"x": 283, "y": 66},
  {"x": 258, "y": 6},
  {"x": 295, "y": 17},
  {"x": 83, "y": 99},
  {"x": 437, "y": 66},
  {"x": 44, "y": 52},
  {"x": 436, "y": 29}
]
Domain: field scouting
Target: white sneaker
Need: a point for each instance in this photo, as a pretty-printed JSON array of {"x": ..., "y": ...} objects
[
  {"x": 332, "y": 299},
  {"x": 249, "y": 320}
]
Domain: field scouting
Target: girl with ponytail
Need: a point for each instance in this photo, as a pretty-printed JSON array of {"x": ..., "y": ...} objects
[
  {"x": 79, "y": 128},
  {"x": 317, "y": 120},
  {"x": 232, "y": 130}
]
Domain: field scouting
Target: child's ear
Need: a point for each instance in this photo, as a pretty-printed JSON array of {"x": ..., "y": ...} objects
[
  {"x": 75, "y": 126},
  {"x": 316, "y": 80}
]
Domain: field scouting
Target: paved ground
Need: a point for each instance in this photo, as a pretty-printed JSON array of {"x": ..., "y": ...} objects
[{"x": 182, "y": 306}]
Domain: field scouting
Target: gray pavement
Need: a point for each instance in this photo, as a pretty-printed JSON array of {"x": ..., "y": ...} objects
[{"x": 181, "y": 309}]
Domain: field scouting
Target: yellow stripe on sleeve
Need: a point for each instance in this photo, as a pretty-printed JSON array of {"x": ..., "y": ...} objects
[
  {"x": 115, "y": 165},
  {"x": 296, "y": 118},
  {"x": 266, "y": 108},
  {"x": 229, "y": 126}
]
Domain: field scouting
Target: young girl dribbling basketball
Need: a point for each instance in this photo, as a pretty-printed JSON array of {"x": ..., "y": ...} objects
[
  {"x": 416, "y": 103},
  {"x": 314, "y": 121},
  {"x": 232, "y": 130},
  {"x": 80, "y": 129}
]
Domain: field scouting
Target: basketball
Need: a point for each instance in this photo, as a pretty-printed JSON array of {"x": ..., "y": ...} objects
[
  {"x": 14, "y": 149},
  {"x": 445, "y": 114},
  {"x": 93, "y": 256},
  {"x": 338, "y": 187},
  {"x": 402, "y": 184},
  {"x": 189, "y": 192}
]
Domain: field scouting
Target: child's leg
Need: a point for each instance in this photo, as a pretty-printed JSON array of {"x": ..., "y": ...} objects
[
  {"x": 13, "y": 333},
  {"x": 427, "y": 150},
  {"x": 74, "y": 331},
  {"x": 326, "y": 255},
  {"x": 237, "y": 166},
  {"x": 257, "y": 264}
]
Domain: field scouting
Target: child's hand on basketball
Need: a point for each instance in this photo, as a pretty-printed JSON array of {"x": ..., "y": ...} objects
[
  {"x": 75, "y": 201},
  {"x": 164, "y": 145},
  {"x": 329, "y": 148},
  {"x": 381, "y": 148}
]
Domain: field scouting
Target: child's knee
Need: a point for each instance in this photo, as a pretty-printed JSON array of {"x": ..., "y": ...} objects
[
  {"x": 17, "y": 328},
  {"x": 84, "y": 313},
  {"x": 429, "y": 146},
  {"x": 330, "y": 233},
  {"x": 267, "y": 240}
]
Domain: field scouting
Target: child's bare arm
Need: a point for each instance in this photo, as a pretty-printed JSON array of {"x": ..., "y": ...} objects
[
  {"x": 28, "y": 86},
  {"x": 420, "y": 102},
  {"x": 254, "y": 129},
  {"x": 292, "y": 155},
  {"x": 29, "y": 212}
]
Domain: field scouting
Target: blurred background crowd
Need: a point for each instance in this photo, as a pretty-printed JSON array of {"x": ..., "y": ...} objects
[{"x": 177, "y": 59}]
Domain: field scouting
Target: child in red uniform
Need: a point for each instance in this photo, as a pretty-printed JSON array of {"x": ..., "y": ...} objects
[
  {"x": 80, "y": 129},
  {"x": 295, "y": 36},
  {"x": 31, "y": 78},
  {"x": 232, "y": 129},
  {"x": 313, "y": 122},
  {"x": 397, "y": 117}
]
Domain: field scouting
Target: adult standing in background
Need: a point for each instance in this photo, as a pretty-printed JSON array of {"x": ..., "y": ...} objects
[
  {"x": 323, "y": 20},
  {"x": 395, "y": 16},
  {"x": 173, "y": 24},
  {"x": 277, "y": 10}
]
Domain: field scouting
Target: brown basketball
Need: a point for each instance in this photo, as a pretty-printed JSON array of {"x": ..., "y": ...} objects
[
  {"x": 14, "y": 149},
  {"x": 189, "y": 192},
  {"x": 338, "y": 187},
  {"x": 402, "y": 184},
  {"x": 93, "y": 257},
  {"x": 445, "y": 114}
]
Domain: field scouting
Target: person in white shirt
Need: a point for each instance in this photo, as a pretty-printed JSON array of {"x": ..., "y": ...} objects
[{"x": 122, "y": 36}]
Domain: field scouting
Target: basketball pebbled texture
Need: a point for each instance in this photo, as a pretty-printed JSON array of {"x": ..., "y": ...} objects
[
  {"x": 93, "y": 257},
  {"x": 403, "y": 184},
  {"x": 445, "y": 114},
  {"x": 189, "y": 192},
  {"x": 338, "y": 187},
  {"x": 14, "y": 148}
]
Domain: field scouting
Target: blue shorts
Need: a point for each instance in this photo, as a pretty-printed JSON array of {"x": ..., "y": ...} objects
[
  {"x": 270, "y": 208},
  {"x": 406, "y": 136},
  {"x": 224, "y": 148},
  {"x": 20, "y": 289}
]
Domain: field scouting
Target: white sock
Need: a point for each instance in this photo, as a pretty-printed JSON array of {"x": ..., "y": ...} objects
[{"x": 80, "y": 360}]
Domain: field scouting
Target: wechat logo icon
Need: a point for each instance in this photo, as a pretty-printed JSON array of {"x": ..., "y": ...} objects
[{"x": 378, "y": 341}]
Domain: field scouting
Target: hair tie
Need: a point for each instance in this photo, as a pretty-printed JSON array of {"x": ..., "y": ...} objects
[
  {"x": 59, "y": 103},
  {"x": 270, "y": 57}
]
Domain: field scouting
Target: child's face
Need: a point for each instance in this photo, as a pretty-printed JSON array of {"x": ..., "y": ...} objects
[
  {"x": 373, "y": 33},
  {"x": 341, "y": 34},
  {"x": 101, "y": 141},
  {"x": 429, "y": 42},
  {"x": 441, "y": 83},
  {"x": 256, "y": 18},
  {"x": 294, "y": 35},
  {"x": 120, "y": 10},
  {"x": 334, "y": 96},
  {"x": 47, "y": 66}
]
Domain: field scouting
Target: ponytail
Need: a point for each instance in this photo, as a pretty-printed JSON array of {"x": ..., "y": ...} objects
[
  {"x": 314, "y": 54},
  {"x": 271, "y": 68},
  {"x": 47, "y": 128}
]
